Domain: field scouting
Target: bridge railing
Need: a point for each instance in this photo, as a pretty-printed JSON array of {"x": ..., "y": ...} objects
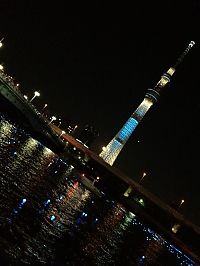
[
  {"x": 8, "y": 80},
  {"x": 40, "y": 123}
]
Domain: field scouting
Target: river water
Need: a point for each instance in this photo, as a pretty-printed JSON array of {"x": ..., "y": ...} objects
[{"x": 47, "y": 217}]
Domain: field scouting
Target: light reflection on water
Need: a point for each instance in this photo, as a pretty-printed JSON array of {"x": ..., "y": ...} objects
[{"x": 49, "y": 218}]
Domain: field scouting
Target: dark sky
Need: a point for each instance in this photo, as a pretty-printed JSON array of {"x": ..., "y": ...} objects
[{"x": 93, "y": 62}]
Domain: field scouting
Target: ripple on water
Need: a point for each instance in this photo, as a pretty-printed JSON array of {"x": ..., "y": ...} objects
[{"x": 48, "y": 217}]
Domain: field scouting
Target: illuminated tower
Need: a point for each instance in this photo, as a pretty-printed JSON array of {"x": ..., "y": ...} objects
[{"x": 112, "y": 150}]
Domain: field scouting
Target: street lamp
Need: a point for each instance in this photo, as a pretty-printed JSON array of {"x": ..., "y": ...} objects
[
  {"x": 1, "y": 67},
  {"x": 1, "y": 43},
  {"x": 182, "y": 201},
  {"x": 52, "y": 119},
  {"x": 36, "y": 94},
  {"x": 95, "y": 180},
  {"x": 75, "y": 127},
  {"x": 62, "y": 132},
  {"x": 44, "y": 107},
  {"x": 144, "y": 174},
  {"x": 129, "y": 189},
  {"x": 59, "y": 122}
]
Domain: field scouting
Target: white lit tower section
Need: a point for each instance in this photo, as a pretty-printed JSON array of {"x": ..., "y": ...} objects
[{"x": 112, "y": 150}]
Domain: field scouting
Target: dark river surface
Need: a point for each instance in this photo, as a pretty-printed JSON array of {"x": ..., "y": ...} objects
[{"x": 47, "y": 217}]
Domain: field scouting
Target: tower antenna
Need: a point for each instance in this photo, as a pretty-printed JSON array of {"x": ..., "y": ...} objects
[
  {"x": 112, "y": 150},
  {"x": 181, "y": 57}
]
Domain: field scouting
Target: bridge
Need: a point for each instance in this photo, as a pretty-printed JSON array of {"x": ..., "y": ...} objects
[
  {"x": 36, "y": 121},
  {"x": 166, "y": 220}
]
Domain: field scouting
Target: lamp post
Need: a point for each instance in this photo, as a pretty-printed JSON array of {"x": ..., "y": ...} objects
[
  {"x": 44, "y": 107},
  {"x": 36, "y": 94},
  {"x": 129, "y": 189},
  {"x": 62, "y": 132},
  {"x": 73, "y": 130},
  {"x": 95, "y": 180},
  {"x": 52, "y": 119},
  {"x": 177, "y": 226},
  {"x": 59, "y": 122},
  {"x": 1, "y": 42},
  {"x": 182, "y": 201},
  {"x": 144, "y": 174}
]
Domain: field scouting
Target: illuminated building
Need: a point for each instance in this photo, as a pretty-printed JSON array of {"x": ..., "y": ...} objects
[{"x": 112, "y": 150}]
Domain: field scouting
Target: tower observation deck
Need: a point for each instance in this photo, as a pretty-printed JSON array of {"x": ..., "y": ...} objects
[{"x": 110, "y": 153}]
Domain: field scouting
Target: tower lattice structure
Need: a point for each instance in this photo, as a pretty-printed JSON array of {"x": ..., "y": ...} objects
[{"x": 110, "y": 153}]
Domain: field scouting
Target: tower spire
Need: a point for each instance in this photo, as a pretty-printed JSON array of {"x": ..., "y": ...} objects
[
  {"x": 181, "y": 57},
  {"x": 111, "y": 151}
]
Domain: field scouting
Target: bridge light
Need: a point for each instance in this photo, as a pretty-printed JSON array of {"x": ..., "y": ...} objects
[
  {"x": 144, "y": 174},
  {"x": 1, "y": 43},
  {"x": 44, "y": 106},
  {"x": 52, "y": 119},
  {"x": 59, "y": 122},
  {"x": 62, "y": 132},
  {"x": 36, "y": 94},
  {"x": 182, "y": 201}
]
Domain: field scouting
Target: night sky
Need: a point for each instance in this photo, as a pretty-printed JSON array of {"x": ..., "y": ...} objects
[{"x": 93, "y": 62}]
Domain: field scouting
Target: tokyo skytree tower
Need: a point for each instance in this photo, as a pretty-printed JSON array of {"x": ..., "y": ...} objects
[{"x": 111, "y": 151}]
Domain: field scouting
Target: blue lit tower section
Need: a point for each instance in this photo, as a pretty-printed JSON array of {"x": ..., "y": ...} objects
[{"x": 112, "y": 150}]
